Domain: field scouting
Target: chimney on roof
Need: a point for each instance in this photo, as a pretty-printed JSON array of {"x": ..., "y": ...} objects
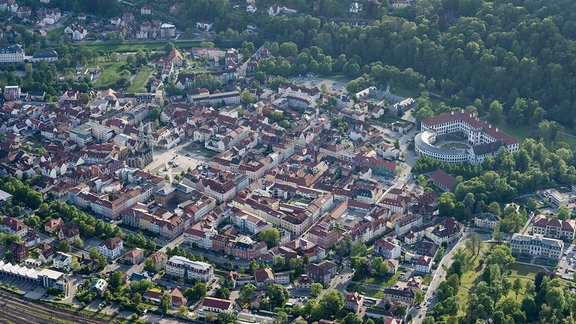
[
  {"x": 452, "y": 113},
  {"x": 496, "y": 128}
]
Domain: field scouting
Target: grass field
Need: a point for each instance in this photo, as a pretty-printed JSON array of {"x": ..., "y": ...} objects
[
  {"x": 522, "y": 132},
  {"x": 134, "y": 47},
  {"x": 139, "y": 81},
  {"x": 389, "y": 282},
  {"x": 473, "y": 271},
  {"x": 110, "y": 72},
  {"x": 526, "y": 273}
]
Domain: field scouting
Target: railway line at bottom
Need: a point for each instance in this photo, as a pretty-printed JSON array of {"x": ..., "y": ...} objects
[{"x": 14, "y": 309}]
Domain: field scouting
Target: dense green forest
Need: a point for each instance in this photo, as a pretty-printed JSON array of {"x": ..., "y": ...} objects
[{"x": 466, "y": 49}]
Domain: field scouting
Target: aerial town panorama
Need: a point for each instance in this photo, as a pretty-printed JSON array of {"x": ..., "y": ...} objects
[{"x": 325, "y": 161}]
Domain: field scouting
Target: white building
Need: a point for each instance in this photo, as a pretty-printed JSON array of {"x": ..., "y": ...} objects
[
  {"x": 62, "y": 261},
  {"x": 387, "y": 249},
  {"x": 11, "y": 54},
  {"x": 111, "y": 248},
  {"x": 424, "y": 264},
  {"x": 487, "y": 221},
  {"x": 216, "y": 305},
  {"x": 536, "y": 246},
  {"x": 484, "y": 139},
  {"x": 181, "y": 267}
]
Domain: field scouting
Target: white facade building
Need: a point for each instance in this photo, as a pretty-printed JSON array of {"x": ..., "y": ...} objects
[
  {"x": 12, "y": 54},
  {"x": 181, "y": 267},
  {"x": 484, "y": 139},
  {"x": 536, "y": 246}
]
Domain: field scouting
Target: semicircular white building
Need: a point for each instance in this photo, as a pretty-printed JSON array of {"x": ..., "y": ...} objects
[{"x": 484, "y": 140}]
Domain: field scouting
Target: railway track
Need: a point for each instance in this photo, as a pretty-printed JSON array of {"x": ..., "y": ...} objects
[{"x": 17, "y": 310}]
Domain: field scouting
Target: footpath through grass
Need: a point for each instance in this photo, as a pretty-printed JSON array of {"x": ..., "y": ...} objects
[
  {"x": 473, "y": 271},
  {"x": 139, "y": 82},
  {"x": 109, "y": 73}
]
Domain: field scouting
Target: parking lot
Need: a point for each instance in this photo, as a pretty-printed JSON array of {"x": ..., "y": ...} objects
[{"x": 567, "y": 264}]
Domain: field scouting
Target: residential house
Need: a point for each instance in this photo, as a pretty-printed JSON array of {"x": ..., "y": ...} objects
[
  {"x": 387, "y": 249},
  {"x": 19, "y": 251},
  {"x": 487, "y": 221},
  {"x": 177, "y": 298},
  {"x": 393, "y": 264},
  {"x": 405, "y": 296},
  {"x": 322, "y": 272},
  {"x": 62, "y": 261},
  {"x": 53, "y": 225},
  {"x": 45, "y": 252},
  {"x": 111, "y": 248},
  {"x": 264, "y": 277},
  {"x": 99, "y": 286},
  {"x": 134, "y": 256},
  {"x": 216, "y": 305},
  {"x": 12, "y": 226},
  {"x": 424, "y": 264},
  {"x": 322, "y": 237},
  {"x": 353, "y": 301},
  {"x": 446, "y": 232},
  {"x": 69, "y": 232},
  {"x": 304, "y": 282},
  {"x": 406, "y": 223},
  {"x": 159, "y": 259},
  {"x": 153, "y": 295}
]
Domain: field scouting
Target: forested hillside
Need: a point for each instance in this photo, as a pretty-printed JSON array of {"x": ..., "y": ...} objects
[{"x": 466, "y": 49}]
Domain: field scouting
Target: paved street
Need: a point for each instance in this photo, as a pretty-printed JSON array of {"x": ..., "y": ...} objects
[{"x": 430, "y": 298}]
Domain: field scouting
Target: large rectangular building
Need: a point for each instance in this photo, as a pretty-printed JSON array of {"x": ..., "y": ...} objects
[
  {"x": 12, "y": 54},
  {"x": 536, "y": 246},
  {"x": 484, "y": 139},
  {"x": 181, "y": 267}
]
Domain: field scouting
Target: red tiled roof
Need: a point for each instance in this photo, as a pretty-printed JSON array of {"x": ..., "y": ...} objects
[
  {"x": 216, "y": 303},
  {"x": 444, "y": 179},
  {"x": 472, "y": 121}
]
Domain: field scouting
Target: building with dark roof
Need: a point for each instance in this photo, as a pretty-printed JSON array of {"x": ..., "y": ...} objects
[
  {"x": 322, "y": 272},
  {"x": 12, "y": 54},
  {"x": 536, "y": 246},
  {"x": 48, "y": 56},
  {"x": 487, "y": 221}
]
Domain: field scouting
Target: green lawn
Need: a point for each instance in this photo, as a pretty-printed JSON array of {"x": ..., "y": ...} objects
[
  {"x": 338, "y": 78},
  {"x": 472, "y": 272},
  {"x": 522, "y": 132},
  {"x": 370, "y": 292},
  {"x": 139, "y": 82},
  {"x": 526, "y": 273},
  {"x": 523, "y": 271},
  {"x": 386, "y": 282},
  {"x": 134, "y": 47},
  {"x": 109, "y": 74}
]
